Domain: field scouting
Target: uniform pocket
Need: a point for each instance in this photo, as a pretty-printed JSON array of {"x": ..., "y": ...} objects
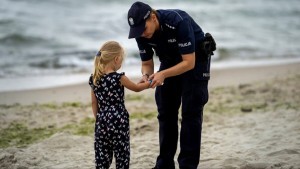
[{"x": 202, "y": 68}]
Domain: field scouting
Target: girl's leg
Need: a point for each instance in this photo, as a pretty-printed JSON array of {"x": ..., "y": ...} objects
[
  {"x": 103, "y": 148},
  {"x": 122, "y": 143}
]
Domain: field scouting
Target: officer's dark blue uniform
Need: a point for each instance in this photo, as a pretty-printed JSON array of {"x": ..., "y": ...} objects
[{"x": 178, "y": 35}]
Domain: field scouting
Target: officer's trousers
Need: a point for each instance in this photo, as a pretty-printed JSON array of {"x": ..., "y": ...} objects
[{"x": 193, "y": 95}]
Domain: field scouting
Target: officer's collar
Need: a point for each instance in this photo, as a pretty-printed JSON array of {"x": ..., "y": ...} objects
[{"x": 159, "y": 20}]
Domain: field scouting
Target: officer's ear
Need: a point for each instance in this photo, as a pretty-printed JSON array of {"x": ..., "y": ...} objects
[{"x": 153, "y": 16}]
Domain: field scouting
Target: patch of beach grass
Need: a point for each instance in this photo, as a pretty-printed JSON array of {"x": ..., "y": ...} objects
[
  {"x": 84, "y": 128},
  {"x": 278, "y": 94},
  {"x": 132, "y": 97},
  {"x": 18, "y": 134},
  {"x": 63, "y": 105},
  {"x": 138, "y": 97},
  {"x": 144, "y": 115}
]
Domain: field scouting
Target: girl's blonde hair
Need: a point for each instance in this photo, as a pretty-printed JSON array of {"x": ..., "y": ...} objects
[{"x": 108, "y": 52}]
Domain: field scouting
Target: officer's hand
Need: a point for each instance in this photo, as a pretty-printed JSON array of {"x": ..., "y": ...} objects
[{"x": 157, "y": 79}]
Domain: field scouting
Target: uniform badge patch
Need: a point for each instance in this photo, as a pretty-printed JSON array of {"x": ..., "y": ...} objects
[{"x": 131, "y": 22}]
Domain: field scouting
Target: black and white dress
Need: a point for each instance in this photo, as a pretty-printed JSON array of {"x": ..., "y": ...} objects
[{"x": 112, "y": 122}]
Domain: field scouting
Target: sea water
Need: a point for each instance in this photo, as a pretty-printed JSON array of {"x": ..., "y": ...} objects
[{"x": 45, "y": 43}]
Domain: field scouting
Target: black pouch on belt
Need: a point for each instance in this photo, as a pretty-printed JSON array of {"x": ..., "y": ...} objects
[
  {"x": 203, "y": 57},
  {"x": 208, "y": 46}
]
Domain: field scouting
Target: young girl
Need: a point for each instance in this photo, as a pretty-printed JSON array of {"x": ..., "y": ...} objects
[{"x": 112, "y": 118}]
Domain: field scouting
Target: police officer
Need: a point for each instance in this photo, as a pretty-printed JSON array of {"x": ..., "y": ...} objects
[{"x": 182, "y": 78}]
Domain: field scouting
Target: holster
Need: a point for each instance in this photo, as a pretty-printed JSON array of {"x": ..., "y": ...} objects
[
  {"x": 203, "y": 57},
  {"x": 208, "y": 46}
]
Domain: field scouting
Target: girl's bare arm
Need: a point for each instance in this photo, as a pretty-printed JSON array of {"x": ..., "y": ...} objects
[
  {"x": 94, "y": 103},
  {"x": 133, "y": 86}
]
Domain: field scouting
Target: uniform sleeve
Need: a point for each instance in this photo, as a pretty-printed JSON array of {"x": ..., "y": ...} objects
[
  {"x": 185, "y": 37},
  {"x": 145, "y": 50}
]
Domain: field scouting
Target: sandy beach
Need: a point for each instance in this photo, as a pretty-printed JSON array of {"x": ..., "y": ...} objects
[{"x": 251, "y": 121}]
